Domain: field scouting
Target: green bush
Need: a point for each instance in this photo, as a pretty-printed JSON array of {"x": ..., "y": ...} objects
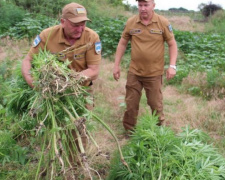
[
  {"x": 110, "y": 33},
  {"x": 49, "y": 8},
  {"x": 157, "y": 153},
  {"x": 203, "y": 52},
  {"x": 30, "y": 26},
  {"x": 53, "y": 8},
  {"x": 10, "y": 15},
  {"x": 9, "y": 150}
]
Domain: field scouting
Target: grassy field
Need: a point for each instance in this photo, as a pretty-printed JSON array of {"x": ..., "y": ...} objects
[{"x": 180, "y": 109}]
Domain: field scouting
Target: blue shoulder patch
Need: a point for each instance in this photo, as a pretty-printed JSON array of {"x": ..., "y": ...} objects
[
  {"x": 98, "y": 47},
  {"x": 37, "y": 40},
  {"x": 170, "y": 28}
]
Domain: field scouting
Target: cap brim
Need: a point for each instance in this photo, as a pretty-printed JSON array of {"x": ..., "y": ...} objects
[{"x": 78, "y": 19}]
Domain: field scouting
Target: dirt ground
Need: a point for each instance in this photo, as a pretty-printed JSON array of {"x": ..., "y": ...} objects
[{"x": 180, "y": 109}]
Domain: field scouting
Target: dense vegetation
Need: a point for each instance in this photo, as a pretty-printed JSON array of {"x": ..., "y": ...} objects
[
  {"x": 157, "y": 153},
  {"x": 203, "y": 55},
  {"x": 200, "y": 72}
]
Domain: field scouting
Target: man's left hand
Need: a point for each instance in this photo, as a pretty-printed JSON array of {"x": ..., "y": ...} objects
[{"x": 170, "y": 73}]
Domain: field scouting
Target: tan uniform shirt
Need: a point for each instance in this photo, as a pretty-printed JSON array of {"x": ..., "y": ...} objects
[
  {"x": 84, "y": 52},
  {"x": 147, "y": 43}
]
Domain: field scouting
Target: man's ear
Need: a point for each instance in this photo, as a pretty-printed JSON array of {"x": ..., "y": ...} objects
[{"x": 62, "y": 21}]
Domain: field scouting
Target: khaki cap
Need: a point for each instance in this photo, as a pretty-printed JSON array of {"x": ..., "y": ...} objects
[{"x": 75, "y": 13}]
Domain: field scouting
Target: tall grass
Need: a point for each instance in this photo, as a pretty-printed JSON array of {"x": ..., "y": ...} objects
[
  {"x": 195, "y": 15},
  {"x": 216, "y": 23}
]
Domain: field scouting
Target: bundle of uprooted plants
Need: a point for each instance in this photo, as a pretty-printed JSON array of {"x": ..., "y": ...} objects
[{"x": 57, "y": 109}]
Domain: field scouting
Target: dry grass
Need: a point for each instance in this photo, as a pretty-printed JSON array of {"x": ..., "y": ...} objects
[
  {"x": 199, "y": 79},
  {"x": 2, "y": 54},
  {"x": 180, "y": 109},
  {"x": 13, "y": 49},
  {"x": 185, "y": 23},
  {"x": 183, "y": 109},
  {"x": 108, "y": 95},
  {"x": 108, "y": 86}
]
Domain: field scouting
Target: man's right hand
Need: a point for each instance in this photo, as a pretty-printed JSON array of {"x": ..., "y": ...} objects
[
  {"x": 116, "y": 73},
  {"x": 26, "y": 66}
]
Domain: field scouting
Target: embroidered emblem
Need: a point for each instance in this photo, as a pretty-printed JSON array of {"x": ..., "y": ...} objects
[
  {"x": 81, "y": 11},
  {"x": 98, "y": 47},
  {"x": 135, "y": 31},
  {"x": 37, "y": 40},
  {"x": 61, "y": 56},
  {"x": 78, "y": 56},
  {"x": 156, "y": 31},
  {"x": 170, "y": 28}
]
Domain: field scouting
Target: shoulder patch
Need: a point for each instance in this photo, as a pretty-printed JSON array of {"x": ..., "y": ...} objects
[
  {"x": 98, "y": 47},
  {"x": 170, "y": 28},
  {"x": 37, "y": 40}
]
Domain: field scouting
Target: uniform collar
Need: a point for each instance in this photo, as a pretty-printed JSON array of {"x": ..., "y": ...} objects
[
  {"x": 62, "y": 38},
  {"x": 154, "y": 18}
]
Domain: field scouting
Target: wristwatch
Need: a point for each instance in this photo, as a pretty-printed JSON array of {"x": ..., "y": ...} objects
[{"x": 174, "y": 67}]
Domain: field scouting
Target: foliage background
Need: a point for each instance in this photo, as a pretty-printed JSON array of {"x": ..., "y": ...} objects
[{"x": 200, "y": 70}]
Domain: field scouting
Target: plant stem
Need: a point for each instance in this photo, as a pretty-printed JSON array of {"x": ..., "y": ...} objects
[{"x": 40, "y": 161}]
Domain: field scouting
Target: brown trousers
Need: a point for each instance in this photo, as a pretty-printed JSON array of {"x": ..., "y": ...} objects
[{"x": 134, "y": 86}]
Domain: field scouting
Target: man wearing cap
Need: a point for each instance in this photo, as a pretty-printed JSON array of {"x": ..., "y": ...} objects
[
  {"x": 147, "y": 32},
  {"x": 72, "y": 40}
]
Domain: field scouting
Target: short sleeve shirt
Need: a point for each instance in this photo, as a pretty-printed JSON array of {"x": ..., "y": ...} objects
[
  {"x": 83, "y": 53},
  {"x": 147, "y": 44}
]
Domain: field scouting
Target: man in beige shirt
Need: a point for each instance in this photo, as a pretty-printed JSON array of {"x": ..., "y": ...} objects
[
  {"x": 72, "y": 40},
  {"x": 147, "y": 33}
]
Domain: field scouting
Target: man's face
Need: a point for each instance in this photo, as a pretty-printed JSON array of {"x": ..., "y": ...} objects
[
  {"x": 145, "y": 9},
  {"x": 73, "y": 30}
]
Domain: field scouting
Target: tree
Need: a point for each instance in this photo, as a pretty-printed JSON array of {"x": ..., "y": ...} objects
[
  {"x": 116, "y": 2},
  {"x": 181, "y": 9},
  {"x": 201, "y": 6},
  {"x": 210, "y": 9}
]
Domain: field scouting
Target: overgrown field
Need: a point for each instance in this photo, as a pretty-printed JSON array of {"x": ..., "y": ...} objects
[{"x": 190, "y": 146}]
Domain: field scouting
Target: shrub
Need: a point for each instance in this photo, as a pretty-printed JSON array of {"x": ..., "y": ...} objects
[
  {"x": 157, "y": 153},
  {"x": 49, "y": 8},
  {"x": 10, "y": 15},
  {"x": 9, "y": 150},
  {"x": 210, "y": 9},
  {"x": 205, "y": 84},
  {"x": 29, "y": 26},
  {"x": 110, "y": 32}
]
